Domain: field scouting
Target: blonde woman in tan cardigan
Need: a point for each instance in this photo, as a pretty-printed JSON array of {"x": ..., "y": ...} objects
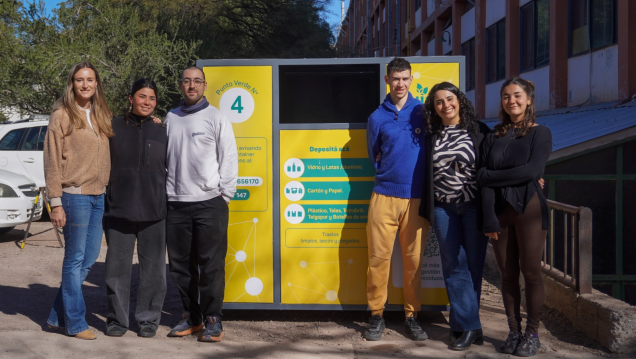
[{"x": 76, "y": 169}]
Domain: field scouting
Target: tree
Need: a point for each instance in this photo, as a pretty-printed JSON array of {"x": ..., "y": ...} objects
[
  {"x": 130, "y": 39},
  {"x": 40, "y": 51},
  {"x": 244, "y": 28}
]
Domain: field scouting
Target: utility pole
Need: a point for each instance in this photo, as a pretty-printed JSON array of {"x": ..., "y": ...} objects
[
  {"x": 390, "y": 32},
  {"x": 368, "y": 29},
  {"x": 398, "y": 24}
]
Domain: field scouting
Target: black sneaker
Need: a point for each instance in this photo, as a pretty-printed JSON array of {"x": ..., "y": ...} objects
[
  {"x": 147, "y": 332},
  {"x": 115, "y": 330},
  {"x": 414, "y": 329},
  {"x": 512, "y": 342},
  {"x": 528, "y": 346},
  {"x": 185, "y": 327},
  {"x": 376, "y": 327},
  {"x": 213, "y": 331}
]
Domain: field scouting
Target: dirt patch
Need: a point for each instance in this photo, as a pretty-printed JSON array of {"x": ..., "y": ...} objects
[{"x": 30, "y": 277}]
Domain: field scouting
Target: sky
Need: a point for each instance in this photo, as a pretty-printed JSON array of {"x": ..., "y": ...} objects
[{"x": 333, "y": 15}]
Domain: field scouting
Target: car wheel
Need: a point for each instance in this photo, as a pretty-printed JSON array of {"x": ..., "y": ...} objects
[{"x": 5, "y": 230}]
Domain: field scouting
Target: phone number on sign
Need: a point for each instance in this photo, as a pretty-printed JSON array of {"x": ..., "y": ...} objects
[{"x": 249, "y": 181}]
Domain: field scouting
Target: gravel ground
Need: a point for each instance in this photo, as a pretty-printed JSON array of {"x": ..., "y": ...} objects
[{"x": 30, "y": 277}]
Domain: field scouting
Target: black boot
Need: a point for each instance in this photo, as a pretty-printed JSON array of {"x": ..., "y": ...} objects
[
  {"x": 469, "y": 337},
  {"x": 453, "y": 335}
]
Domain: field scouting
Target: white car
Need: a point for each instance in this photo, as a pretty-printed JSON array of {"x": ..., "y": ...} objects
[
  {"x": 17, "y": 195},
  {"x": 21, "y": 146}
]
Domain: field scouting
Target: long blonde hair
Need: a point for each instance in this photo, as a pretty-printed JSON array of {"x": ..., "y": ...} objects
[{"x": 100, "y": 113}]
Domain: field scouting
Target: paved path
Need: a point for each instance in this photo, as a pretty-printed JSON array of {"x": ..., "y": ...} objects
[{"x": 29, "y": 279}]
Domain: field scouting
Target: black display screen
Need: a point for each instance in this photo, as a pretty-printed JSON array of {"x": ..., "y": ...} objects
[{"x": 328, "y": 93}]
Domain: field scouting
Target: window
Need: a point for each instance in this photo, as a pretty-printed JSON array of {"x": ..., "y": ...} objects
[
  {"x": 41, "y": 138},
  {"x": 469, "y": 5},
  {"x": 468, "y": 50},
  {"x": 12, "y": 139},
  {"x": 535, "y": 34},
  {"x": 593, "y": 27},
  {"x": 496, "y": 52},
  {"x": 31, "y": 141},
  {"x": 418, "y": 4}
]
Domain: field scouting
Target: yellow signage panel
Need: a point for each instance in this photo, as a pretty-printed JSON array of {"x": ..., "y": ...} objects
[
  {"x": 244, "y": 96},
  {"x": 326, "y": 181},
  {"x": 427, "y": 75}
]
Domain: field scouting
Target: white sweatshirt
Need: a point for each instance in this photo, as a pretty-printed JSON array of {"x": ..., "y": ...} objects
[{"x": 202, "y": 157}]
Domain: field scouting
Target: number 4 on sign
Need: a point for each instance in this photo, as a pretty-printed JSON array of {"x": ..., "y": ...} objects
[{"x": 236, "y": 106}]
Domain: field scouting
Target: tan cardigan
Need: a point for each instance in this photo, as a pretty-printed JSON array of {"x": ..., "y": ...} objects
[{"x": 78, "y": 163}]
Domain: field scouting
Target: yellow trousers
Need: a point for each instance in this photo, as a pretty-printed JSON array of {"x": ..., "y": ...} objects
[{"x": 389, "y": 216}]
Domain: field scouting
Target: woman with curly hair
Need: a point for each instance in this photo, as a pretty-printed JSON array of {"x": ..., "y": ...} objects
[
  {"x": 515, "y": 208},
  {"x": 451, "y": 202}
]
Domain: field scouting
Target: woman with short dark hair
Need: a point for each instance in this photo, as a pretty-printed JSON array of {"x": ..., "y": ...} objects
[
  {"x": 135, "y": 213},
  {"x": 451, "y": 202}
]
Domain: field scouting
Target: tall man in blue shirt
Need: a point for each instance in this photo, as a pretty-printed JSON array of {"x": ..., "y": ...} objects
[{"x": 395, "y": 132}]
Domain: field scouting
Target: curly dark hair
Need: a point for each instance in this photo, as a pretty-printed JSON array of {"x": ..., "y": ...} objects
[
  {"x": 505, "y": 123},
  {"x": 467, "y": 114}
]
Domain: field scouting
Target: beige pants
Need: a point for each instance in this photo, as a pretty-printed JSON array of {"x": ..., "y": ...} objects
[{"x": 387, "y": 217}]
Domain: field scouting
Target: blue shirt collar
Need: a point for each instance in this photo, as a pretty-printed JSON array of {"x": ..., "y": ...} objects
[{"x": 389, "y": 104}]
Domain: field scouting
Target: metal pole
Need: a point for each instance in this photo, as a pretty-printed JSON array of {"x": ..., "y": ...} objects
[
  {"x": 398, "y": 26},
  {"x": 368, "y": 29},
  {"x": 585, "y": 251},
  {"x": 389, "y": 28}
]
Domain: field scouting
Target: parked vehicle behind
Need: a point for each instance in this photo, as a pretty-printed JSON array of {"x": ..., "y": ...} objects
[
  {"x": 21, "y": 146},
  {"x": 17, "y": 194}
]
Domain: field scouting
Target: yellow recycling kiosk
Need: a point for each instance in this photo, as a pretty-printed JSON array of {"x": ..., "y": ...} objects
[{"x": 297, "y": 237}]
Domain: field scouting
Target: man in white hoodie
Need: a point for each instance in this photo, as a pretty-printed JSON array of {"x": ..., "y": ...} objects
[{"x": 202, "y": 170}]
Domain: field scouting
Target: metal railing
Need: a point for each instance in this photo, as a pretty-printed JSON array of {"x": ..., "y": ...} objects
[{"x": 576, "y": 269}]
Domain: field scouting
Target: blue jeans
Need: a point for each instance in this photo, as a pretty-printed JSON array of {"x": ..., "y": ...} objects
[
  {"x": 83, "y": 239},
  {"x": 463, "y": 253}
]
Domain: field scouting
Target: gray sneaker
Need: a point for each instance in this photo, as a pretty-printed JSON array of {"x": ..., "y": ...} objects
[
  {"x": 185, "y": 327},
  {"x": 414, "y": 329},
  {"x": 512, "y": 342},
  {"x": 376, "y": 327},
  {"x": 213, "y": 331},
  {"x": 528, "y": 346}
]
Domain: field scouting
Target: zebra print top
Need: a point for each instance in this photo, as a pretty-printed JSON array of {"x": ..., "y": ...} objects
[{"x": 454, "y": 172}]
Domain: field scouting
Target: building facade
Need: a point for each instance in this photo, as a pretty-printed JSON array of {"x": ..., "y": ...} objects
[
  {"x": 581, "y": 56},
  {"x": 577, "y": 52}
]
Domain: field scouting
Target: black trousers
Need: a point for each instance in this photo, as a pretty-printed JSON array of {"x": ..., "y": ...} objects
[
  {"x": 519, "y": 249},
  {"x": 197, "y": 245},
  {"x": 121, "y": 236}
]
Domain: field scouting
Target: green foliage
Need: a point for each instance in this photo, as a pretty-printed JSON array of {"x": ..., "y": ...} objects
[
  {"x": 130, "y": 39},
  {"x": 38, "y": 55},
  {"x": 244, "y": 28}
]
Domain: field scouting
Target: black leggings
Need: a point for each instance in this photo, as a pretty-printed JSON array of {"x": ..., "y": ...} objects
[{"x": 520, "y": 248}]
